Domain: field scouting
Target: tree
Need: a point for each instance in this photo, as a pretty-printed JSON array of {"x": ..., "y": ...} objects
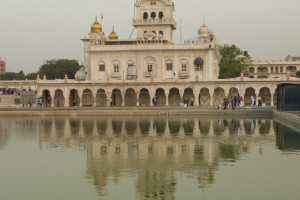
[
  {"x": 59, "y": 68},
  {"x": 298, "y": 74},
  {"x": 13, "y": 76},
  {"x": 233, "y": 62},
  {"x": 31, "y": 76}
]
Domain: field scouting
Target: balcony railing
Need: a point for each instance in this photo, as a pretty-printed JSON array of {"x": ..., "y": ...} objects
[
  {"x": 148, "y": 74},
  {"x": 183, "y": 74},
  {"x": 116, "y": 75},
  {"x": 154, "y": 21}
]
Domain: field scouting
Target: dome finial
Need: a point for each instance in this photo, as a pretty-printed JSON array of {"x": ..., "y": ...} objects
[
  {"x": 113, "y": 35},
  {"x": 96, "y": 27}
]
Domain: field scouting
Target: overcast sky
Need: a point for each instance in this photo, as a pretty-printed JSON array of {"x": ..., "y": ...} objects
[{"x": 32, "y": 31}]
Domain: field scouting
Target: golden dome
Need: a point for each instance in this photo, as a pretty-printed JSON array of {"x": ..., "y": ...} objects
[
  {"x": 96, "y": 27},
  {"x": 113, "y": 35}
]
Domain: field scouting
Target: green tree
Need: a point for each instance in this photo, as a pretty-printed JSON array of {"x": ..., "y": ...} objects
[
  {"x": 233, "y": 62},
  {"x": 12, "y": 76},
  {"x": 58, "y": 68},
  {"x": 298, "y": 74},
  {"x": 31, "y": 76}
]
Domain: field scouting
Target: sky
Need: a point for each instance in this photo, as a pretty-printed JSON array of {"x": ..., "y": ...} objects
[{"x": 33, "y": 31}]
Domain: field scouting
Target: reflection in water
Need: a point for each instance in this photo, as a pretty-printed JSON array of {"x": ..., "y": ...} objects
[{"x": 160, "y": 148}]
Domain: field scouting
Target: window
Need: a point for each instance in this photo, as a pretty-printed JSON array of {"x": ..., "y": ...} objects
[
  {"x": 152, "y": 3},
  {"x": 149, "y": 67},
  {"x": 161, "y": 32},
  {"x": 281, "y": 69},
  {"x": 169, "y": 65},
  {"x": 272, "y": 69},
  {"x": 183, "y": 67},
  {"x": 276, "y": 71},
  {"x": 116, "y": 68},
  {"x": 145, "y": 15},
  {"x": 198, "y": 64},
  {"x": 102, "y": 68},
  {"x": 153, "y": 15},
  {"x": 161, "y": 15}
]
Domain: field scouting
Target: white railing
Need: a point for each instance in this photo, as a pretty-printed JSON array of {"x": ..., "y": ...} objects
[{"x": 183, "y": 74}]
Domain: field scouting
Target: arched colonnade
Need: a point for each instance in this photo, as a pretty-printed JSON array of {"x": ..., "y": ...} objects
[{"x": 165, "y": 96}]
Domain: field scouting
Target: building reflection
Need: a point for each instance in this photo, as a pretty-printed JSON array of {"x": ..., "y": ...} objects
[{"x": 155, "y": 149}]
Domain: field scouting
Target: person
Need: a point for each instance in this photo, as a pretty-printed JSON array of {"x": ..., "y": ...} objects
[
  {"x": 154, "y": 101},
  {"x": 259, "y": 101},
  {"x": 252, "y": 101},
  {"x": 220, "y": 106},
  {"x": 192, "y": 102},
  {"x": 235, "y": 100},
  {"x": 241, "y": 101}
]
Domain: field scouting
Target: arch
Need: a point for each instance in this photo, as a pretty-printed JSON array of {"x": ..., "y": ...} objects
[
  {"x": 145, "y": 15},
  {"x": 198, "y": 63},
  {"x": 264, "y": 126},
  {"x": 74, "y": 98},
  {"x": 251, "y": 76},
  {"x": 59, "y": 98},
  {"x": 262, "y": 70},
  {"x": 251, "y": 70},
  {"x": 153, "y": 15},
  {"x": 281, "y": 69},
  {"x": 160, "y": 97},
  {"x": 204, "y": 97},
  {"x": 249, "y": 126},
  {"x": 144, "y": 97},
  {"x": 47, "y": 99},
  {"x": 219, "y": 126},
  {"x": 188, "y": 96},
  {"x": 276, "y": 70},
  {"x": 160, "y": 15},
  {"x": 265, "y": 95},
  {"x": 291, "y": 69},
  {"x": 101, "y": 98},
  {"x": 248, "y": 93},
  {"x": 116, "y": 97},
  {"x": 130, "y": 97},
  {"x": 272, "y": 69},
  {"x": 174, "y": 97},
  {"x": 233, "y": 91},
  {"x": 161, "y": 33},
  {"x": 74, "y": 126},
  {"x": 218, "y": 96},
  {"x": 87, "y": 98}
]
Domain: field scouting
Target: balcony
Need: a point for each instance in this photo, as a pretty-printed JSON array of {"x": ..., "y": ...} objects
[
  {"x": 183, "y": 74},
  {"x": 147, "y": 22},
  {"x": 148, "y": 74},
  {"x": 116, "y": 75}
]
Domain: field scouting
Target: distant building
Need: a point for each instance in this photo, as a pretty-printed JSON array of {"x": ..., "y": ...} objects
[
  {"x": 2, "y": 66},
  {"x": 292, "y": 58}
]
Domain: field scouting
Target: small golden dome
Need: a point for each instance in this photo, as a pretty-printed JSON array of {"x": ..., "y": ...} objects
[
  {"x": 113, "y": 35},
  {"x": 96, "y": 27}
]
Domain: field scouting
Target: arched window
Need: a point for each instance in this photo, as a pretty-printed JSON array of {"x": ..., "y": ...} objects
[
  {"x": 272, "y": 69},
  {"x": 198, "y": 62},
  {"x": 262, "y": 70},
  {"x": 153, "y": 15},
  {"x": 161, "y": 15},
  {"x": 116, "y": 66},
  {"x": 276, "y": 70},
  {"x": 184, "y": 65},
  {"x": 145, "y": 15},
  {"x": 251, "y": 70},
  {"x": 169, "y": 65},
  {"x": 161, "y": 33},
  {"x": 154, "y": 32},
  {"x": 291, "y": 69},
  {"x": 281, "y": 69}
]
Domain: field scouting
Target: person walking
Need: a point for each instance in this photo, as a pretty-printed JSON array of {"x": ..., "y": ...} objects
[
  {"x": 259, "y": 101},
  {"x": 241, "y": 101}
]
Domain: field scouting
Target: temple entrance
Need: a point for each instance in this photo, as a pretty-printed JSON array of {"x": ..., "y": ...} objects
[
  {"x": 219, "y": 94},
  {"x": 130, "y": 97},
  {"x": 248, "y": 94},
  {"x": 46, "y": 98},
  {"x": 101, "y": 98},
  {"x": 189, "y": 97},
  {"x": 87, "y": 98},
  {"x": 204, "y": 97},
  {"x": 116, "y": 97},
  {"x": 161, "y": 97},
  {"x": 174, "y": 97},
  {"x": 144, "y": 98},
  {"x": 74, "y": 98},
  {"x": 59, "y": 99}
]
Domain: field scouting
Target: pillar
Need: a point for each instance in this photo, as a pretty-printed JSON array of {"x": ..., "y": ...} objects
[
  {"x": 80, "y": 99},
  {"x": 66, "y": 96},
  {"x": 94, "y": 99},
  {"x": 272, "y": 97},
  {"x": 196, "y": 99},
  {"x": 138, "y": 99},
  {"x": 167, "y": 98}
]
